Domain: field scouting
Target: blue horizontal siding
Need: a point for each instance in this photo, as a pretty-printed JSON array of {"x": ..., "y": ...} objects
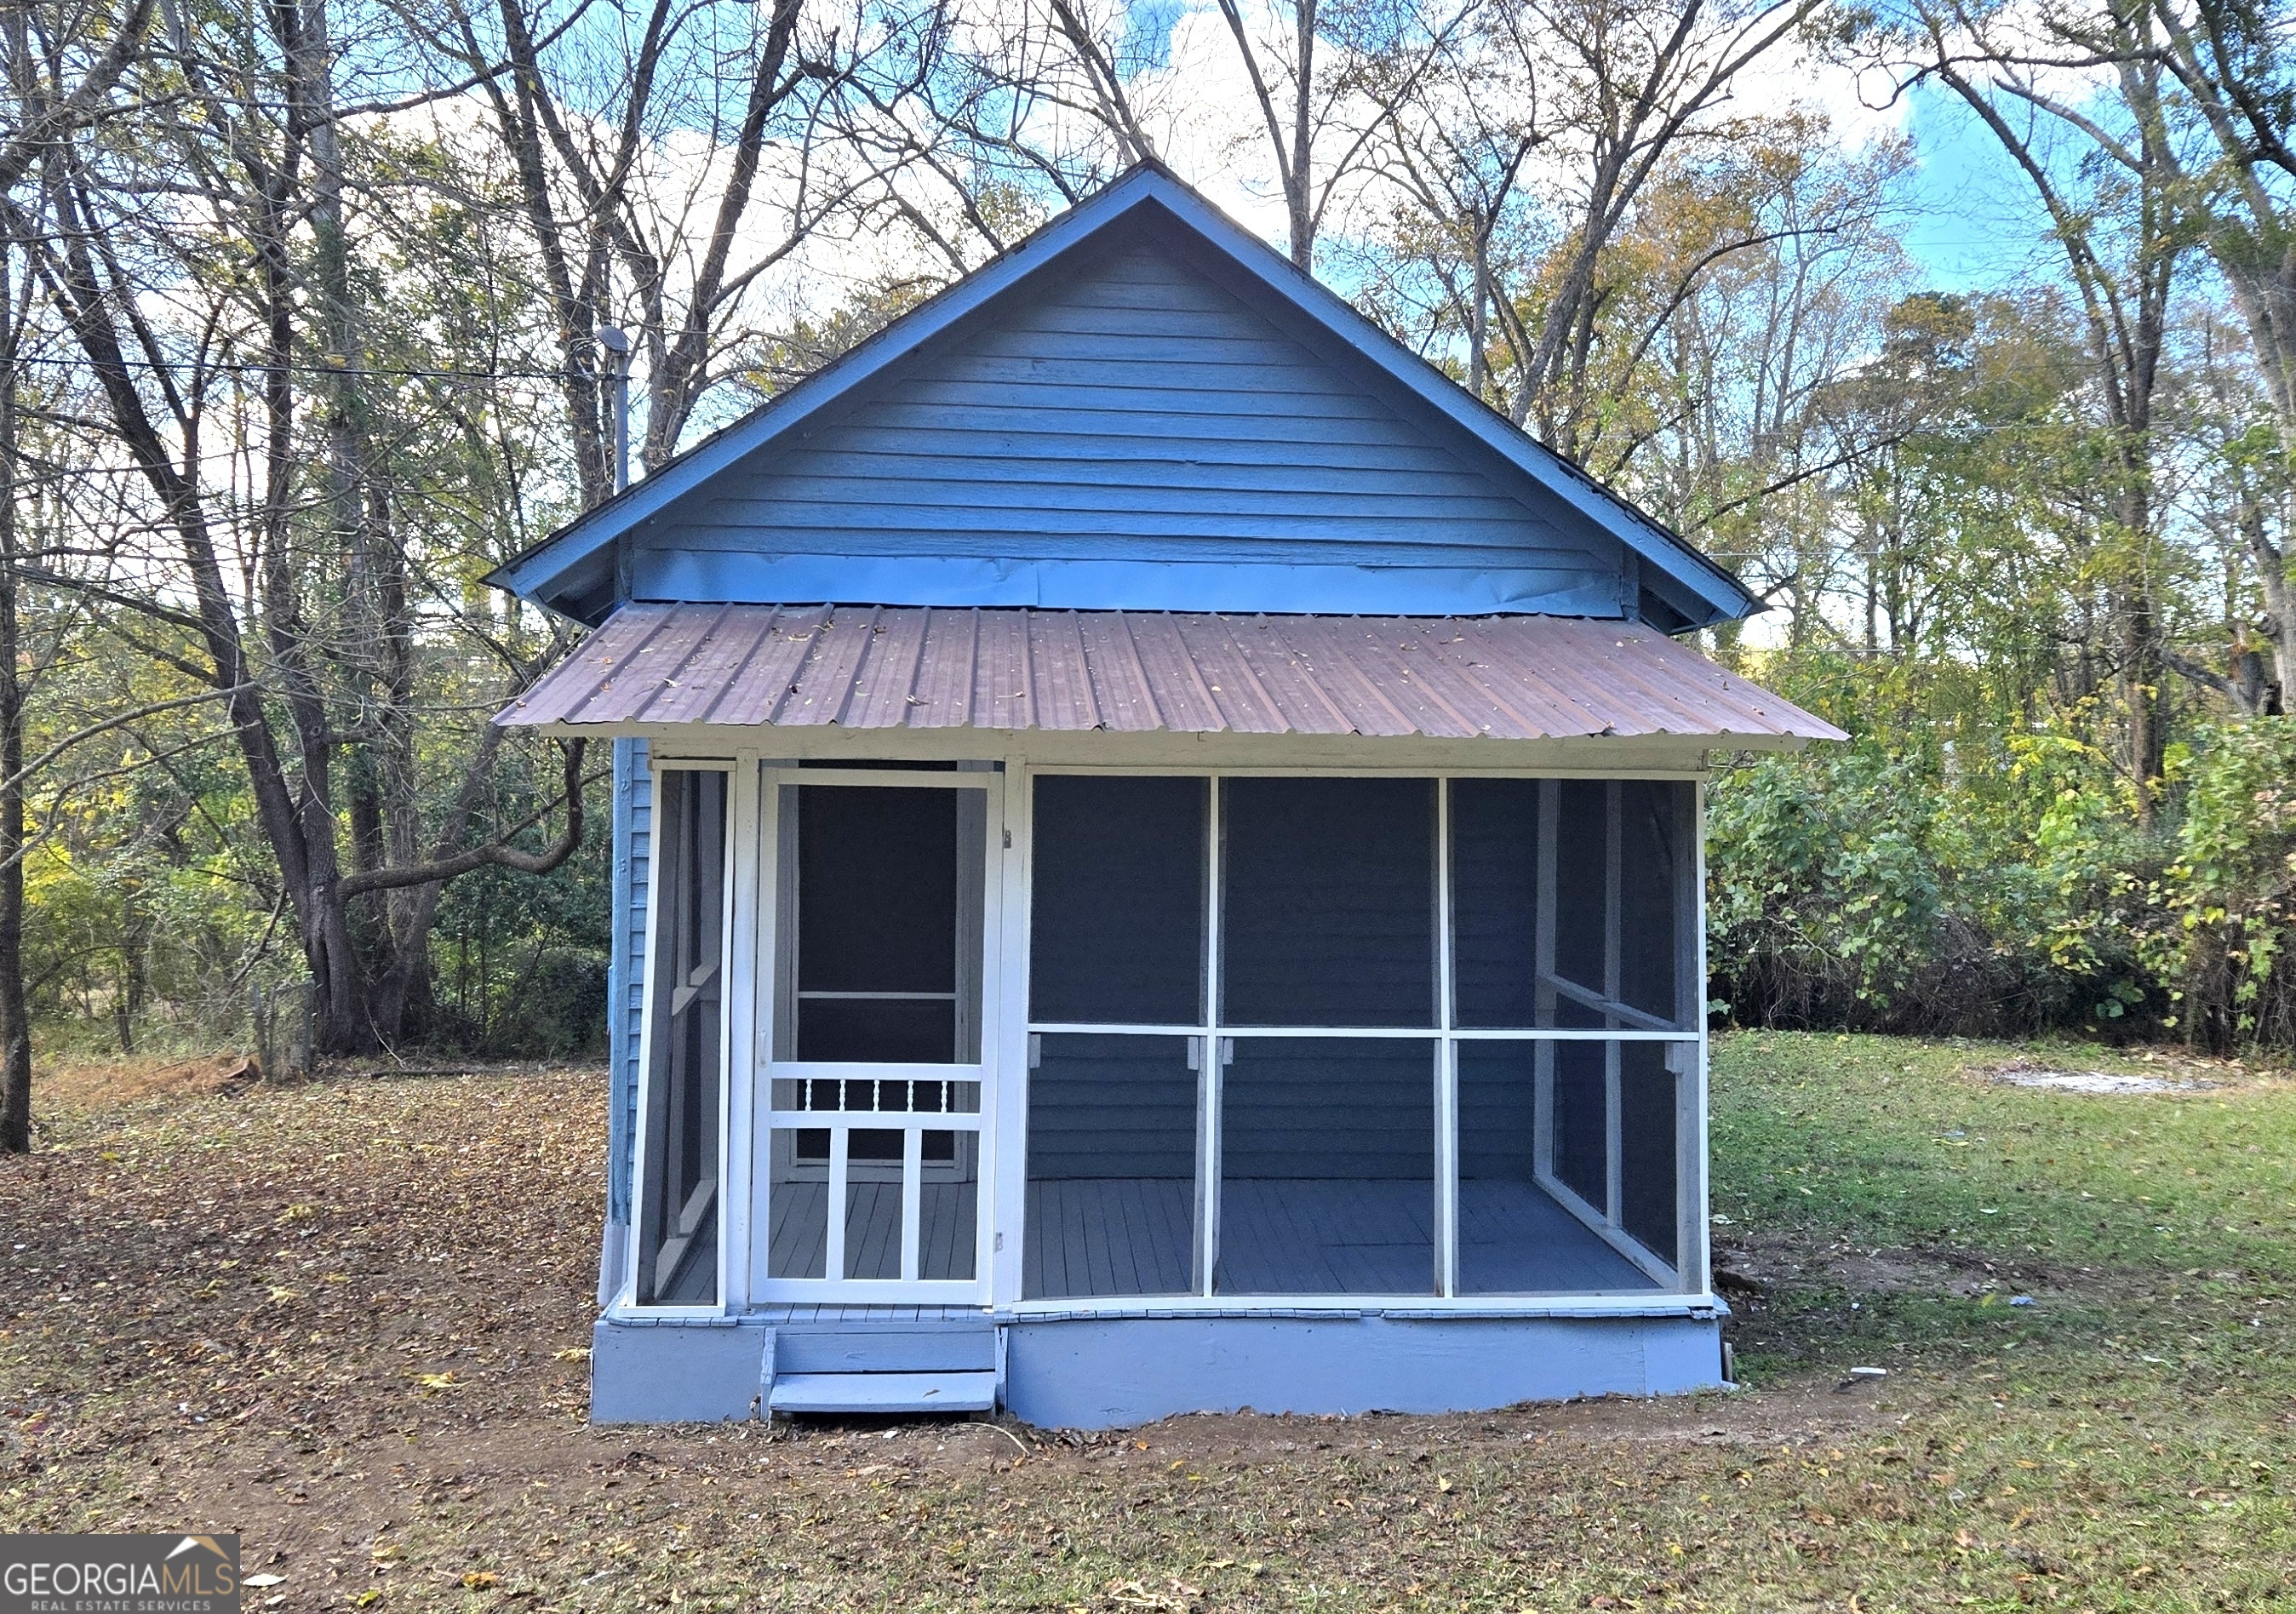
[
  {"x": 626, "y": 970},
  {"x": 1138, "y": 416}
]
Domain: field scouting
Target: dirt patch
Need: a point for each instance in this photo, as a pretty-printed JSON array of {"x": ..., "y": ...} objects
[
  {"x": 2152, "y": 1074},
  {"x": 2105, "y": 1084},
  {"x": 349, "y": 1320},
  {"x": 1748, "y": 1268},
  {"x": 97, "y": 1084}
]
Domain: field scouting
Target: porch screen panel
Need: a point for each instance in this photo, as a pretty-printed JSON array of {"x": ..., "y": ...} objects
[
  {"x": 885, "y": 924},
  {"x": 1581, "y": 966},
  {"x": 1582, "y": 1135},
  {"x": 797, "y": 1207},
  {"x": 1328, "y": 902},
  {"x": 1327, "y": 1153},
  {"x": 1494, "y": 909},
  {"x": 678, "y": 1223},
  {"x": 1515, "y": 1237},
  {"x": 1117, "y": 911},
  {"x": 1113, "y": 1206},
  {"x": 1649, "y": 1135},
  {"x": 1652, "y": 880}
]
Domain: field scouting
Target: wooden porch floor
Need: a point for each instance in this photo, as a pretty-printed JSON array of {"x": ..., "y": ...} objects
[
  {"x": 1098, "y": 1238},
  {"x": 1103, "y": 1237},
  {"x": 947, "y": 1214}
]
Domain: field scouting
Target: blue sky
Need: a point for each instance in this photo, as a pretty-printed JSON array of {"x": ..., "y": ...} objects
[{"x": 1976, "y": 222}]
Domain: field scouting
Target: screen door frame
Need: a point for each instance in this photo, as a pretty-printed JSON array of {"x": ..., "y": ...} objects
[{"x": 774, "y": 1058}]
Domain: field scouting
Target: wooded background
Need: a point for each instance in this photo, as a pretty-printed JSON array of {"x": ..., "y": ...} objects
[{"x": 300, "y": 306}]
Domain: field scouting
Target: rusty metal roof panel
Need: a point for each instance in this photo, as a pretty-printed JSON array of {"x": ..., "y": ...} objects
[{"x": 1007, "y": 670}]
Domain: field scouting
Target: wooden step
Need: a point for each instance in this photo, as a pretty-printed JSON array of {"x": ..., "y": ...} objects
[
  {"x": 933, "y": 1392},
  {"x": 882, "y": 1348}
]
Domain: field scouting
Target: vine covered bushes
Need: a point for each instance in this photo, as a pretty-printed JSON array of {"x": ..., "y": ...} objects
[{"x": 2005, "y": 888}]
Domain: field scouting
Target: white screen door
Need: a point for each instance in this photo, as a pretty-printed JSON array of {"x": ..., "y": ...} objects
[{"x": 869, "y": 1178}]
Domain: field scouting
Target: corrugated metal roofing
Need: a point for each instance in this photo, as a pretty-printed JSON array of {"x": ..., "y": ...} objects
[{"x": 1148, "y": 672}]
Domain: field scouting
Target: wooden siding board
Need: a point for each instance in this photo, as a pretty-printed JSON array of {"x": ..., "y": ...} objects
[
  {"x": 1136, "y": 413},
  {"x": 1177, "y": 582},
  {"x": 957, "y": 448},
  {"x": 1431, "y": 548},
  {"x": 1075, "y": 504},
  {"x": 1146, "y": 321},
  {"x": 626, "y": 971},
  {"x": 1103, "y": 463},
  {"x": 899, "y": 417}
]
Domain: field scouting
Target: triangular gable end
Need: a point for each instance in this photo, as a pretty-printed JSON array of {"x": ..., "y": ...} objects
[{"x": 1140, "y": 408}]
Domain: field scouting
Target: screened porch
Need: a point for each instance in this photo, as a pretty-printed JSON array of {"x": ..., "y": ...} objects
[{"x": 1307, "y": 1037}]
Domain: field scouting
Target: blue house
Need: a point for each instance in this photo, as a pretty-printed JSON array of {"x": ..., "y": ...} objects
[{"x": 1158, "y": 843}]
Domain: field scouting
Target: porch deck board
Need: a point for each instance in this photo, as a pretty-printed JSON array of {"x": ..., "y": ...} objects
[
  {"x": 799, "y": 1239},
  {"x": 872, "y": 1230},
  {"x": 1121, "y": 1236}
]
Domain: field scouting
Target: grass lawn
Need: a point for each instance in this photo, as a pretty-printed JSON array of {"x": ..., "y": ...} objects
[{"x": 347, "y": 1320}]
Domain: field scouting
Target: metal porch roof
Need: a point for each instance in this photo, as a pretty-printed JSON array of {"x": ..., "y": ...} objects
[{"x": 1148, "y": 672}]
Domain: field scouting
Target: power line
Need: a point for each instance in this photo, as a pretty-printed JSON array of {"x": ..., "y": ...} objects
[{"x": 266, "y": 367}]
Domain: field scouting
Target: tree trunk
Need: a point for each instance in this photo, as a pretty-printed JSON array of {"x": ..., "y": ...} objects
[{"x": 15, "y": 1022}]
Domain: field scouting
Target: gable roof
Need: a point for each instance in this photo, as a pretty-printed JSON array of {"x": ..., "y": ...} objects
[{"x": 732, "y": 518}]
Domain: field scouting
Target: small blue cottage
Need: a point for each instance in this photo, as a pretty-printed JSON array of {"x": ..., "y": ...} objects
[{"x": 1160, "y": 845}]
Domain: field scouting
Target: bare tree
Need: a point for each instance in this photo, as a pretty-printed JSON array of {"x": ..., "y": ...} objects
[
  {"x": 61, "y": 69},
  {"x": 633, "y": 223},
  {"x": 2122, "y": 245},
  {"x": 1324, "y": 80},
  {"x": 283, "y": 592},
  {"x": 2231, "y": 60}
]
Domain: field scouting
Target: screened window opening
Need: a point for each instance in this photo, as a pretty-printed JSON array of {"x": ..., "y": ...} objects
[
  {"x": 882, "y": 925},
  {"x": 1327, "y": 1167},
  {"x": 678, "y": 1213},
  {"x": 1114, "y": 1200},
  {"x": 1574, "y": 904},
  {"x": 1517, "y": 1235},
  {"x": 1308, "y": 1086},
  {"x": 1117, "y": 923},
  {"x": 1328, "y": 902}
]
